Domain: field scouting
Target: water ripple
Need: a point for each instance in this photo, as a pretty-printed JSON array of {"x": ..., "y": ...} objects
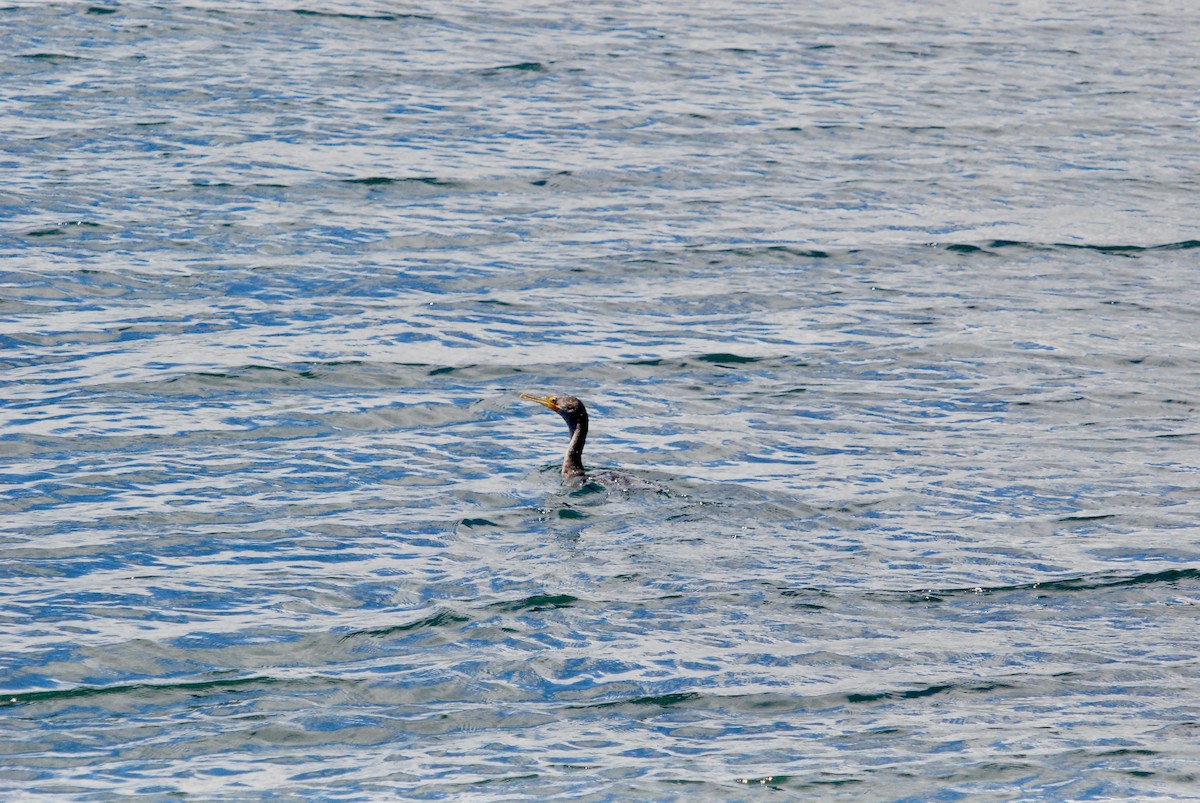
[{"x": 895, "y": 303}]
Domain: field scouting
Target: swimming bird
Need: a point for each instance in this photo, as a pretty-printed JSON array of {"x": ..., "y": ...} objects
[{"x": 575, "y": 414}]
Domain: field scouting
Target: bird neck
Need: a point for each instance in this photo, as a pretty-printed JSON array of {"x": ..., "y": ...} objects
[{"x": 573, "y": 462}]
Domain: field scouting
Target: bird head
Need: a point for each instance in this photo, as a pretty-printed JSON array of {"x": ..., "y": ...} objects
[{"x": 569, "y": 407}]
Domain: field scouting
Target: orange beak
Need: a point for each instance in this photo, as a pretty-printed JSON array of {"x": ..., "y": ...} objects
[{"x": 545, "y": 401}]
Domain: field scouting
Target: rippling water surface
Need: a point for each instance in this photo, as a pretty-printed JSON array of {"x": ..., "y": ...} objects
[{"x": 896, "y": 301}]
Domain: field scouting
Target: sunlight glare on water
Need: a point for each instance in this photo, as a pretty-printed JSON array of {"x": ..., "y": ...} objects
[{"x": 894, "y": 304}]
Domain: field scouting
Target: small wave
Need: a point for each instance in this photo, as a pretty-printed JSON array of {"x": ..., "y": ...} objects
[
  {"x": 376, "y": 181},
  {"x": 344, "y": 15},
  {"x": 189, "y": 687},
  {"x": 774, "y": 250},
  {"x": 524, "y": 66},
  {"x": 67, "y": 227},
  {"x": 1109, "y": 249},
  {"x": 443, "y": 618},
  {"x": 654, "y": 701},
  {"x": 537, "y": 602},
  {"x": 726, "y": 358},
  {"x": 53, "y": 58},
  {"x": 1088, "y": 582},
  {"x": 771, "y": 701}
]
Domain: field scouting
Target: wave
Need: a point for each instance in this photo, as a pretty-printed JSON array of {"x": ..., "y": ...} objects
[
  {"x": 775, "y": 701},
  {"x": 1088, "y": 582},
  {"x": 1112, "y": 249}
]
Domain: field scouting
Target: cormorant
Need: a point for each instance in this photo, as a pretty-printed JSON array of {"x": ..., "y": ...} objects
[{"x": 574, "y": 475}]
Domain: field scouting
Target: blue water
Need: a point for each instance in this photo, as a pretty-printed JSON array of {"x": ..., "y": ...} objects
[{"x": 896, "y": 302}]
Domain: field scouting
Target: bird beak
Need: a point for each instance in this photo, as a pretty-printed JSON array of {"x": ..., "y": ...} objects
[{"x": 545, "y": 401}]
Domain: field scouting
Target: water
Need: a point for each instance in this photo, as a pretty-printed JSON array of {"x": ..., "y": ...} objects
[{"x": 897, "y": 302}]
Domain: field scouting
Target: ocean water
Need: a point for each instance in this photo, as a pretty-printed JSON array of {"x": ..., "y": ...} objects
[{"x": 896, "y": 302}]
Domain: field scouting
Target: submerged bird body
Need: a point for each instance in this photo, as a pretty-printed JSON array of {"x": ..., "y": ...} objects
[{"x": 575, "y": 414}]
